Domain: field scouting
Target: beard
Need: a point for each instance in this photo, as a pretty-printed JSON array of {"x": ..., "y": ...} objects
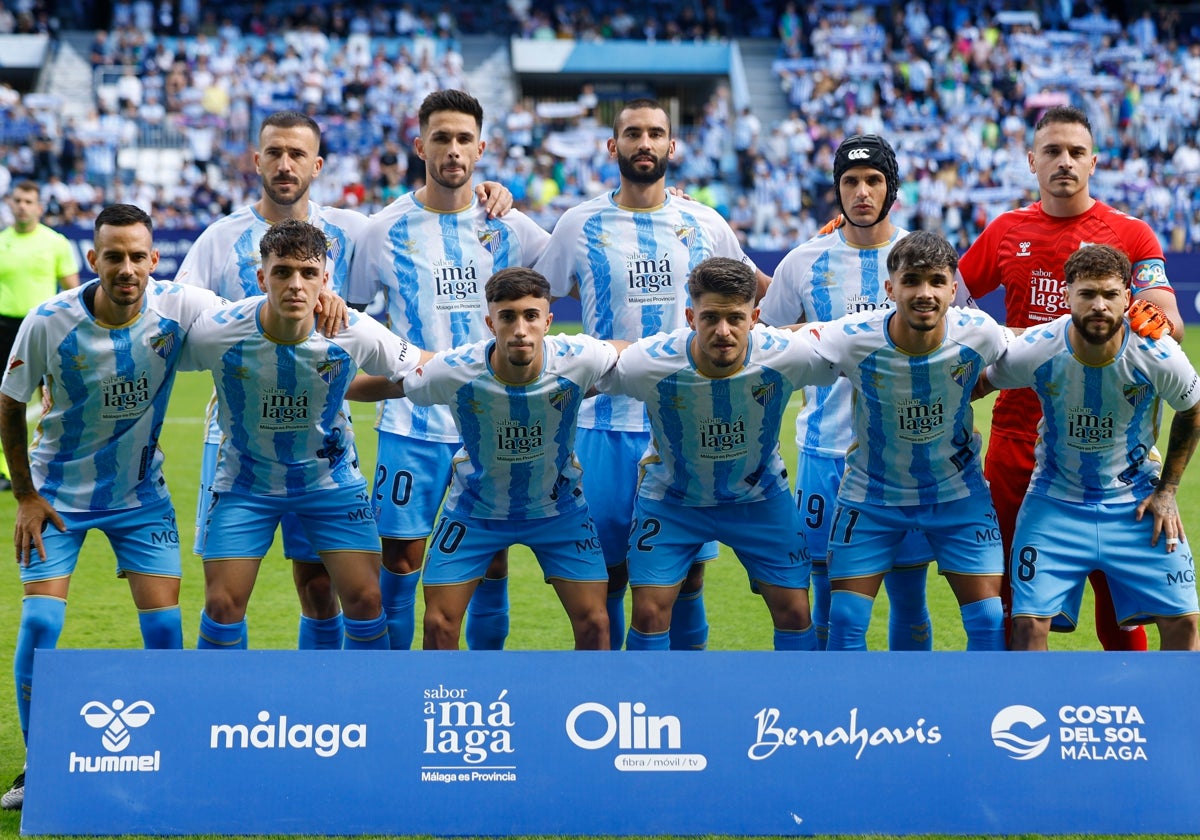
[
  {"x": 630, "y": 172},
  {"x": 1087, "y": 330},
  {"x": 282, "y": 200}
]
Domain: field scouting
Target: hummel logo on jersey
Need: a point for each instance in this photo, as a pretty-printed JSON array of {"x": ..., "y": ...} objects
[
  {"x": 1023, "y": 249},
  {"x": 116, "y": 721},
  {"x": 858, "y": 154}
]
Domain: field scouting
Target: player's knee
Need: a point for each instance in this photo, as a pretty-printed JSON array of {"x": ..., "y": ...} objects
[
  {"x": 1029, "y": 634},
  {"x": 649, "y": 616},
  {"x": 1179, "y": 633},
  {"x": 441, "y": 629},
  {"x": 363, "y": 603},
  {"x": 318, "y": 599}
]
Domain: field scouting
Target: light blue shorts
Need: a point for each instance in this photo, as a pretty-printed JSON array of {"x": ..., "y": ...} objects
[
  {"x": 610, "y": 480},
  {"x": 411, "y": 477},
  {"x": 863, "y": 538},
  {"x": 145, "y": 540},
  {"x": 765, "y": 536},
  {"x": 243, "y": 526},
  {"x": 566, "y": 547},
  {"x": 1058, "y": 544},
  {"x": 295, "y": 543},
  {"x": 817, "y": 482}
]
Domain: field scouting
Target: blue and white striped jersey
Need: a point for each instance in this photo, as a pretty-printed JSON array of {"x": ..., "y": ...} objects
[
  {"x": 821, "y": 280},
  {"x": 915, "y": 438},
  {"x": 432, "y": 268},
  {"x": 283, "y": 427},
  {"x": 631, "y": 269},
  {"x": 226, "y": 258},
  {"x": 715, "y": 441},
  {"x": 96, "y": 446},
  {"x": 518, "y": 457},
  {"x": 1099, "y": 424}
]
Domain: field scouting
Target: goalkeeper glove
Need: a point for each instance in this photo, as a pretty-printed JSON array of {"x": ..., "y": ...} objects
[{"x": 1148, "y": 320}]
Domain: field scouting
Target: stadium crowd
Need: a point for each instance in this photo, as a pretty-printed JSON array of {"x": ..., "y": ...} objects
[{"x": 956, "y": 85}]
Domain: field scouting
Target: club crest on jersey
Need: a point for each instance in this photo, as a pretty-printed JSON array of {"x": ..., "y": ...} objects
[
  {"x": 686, "y": 234},
  {"x": 163, "y": 344},
  {"x": 763, "y": 393},
  {"x": 333, "y": 248},
  {"x": 962, "y": 373},
  {"x": 1135, "y": 394},
  {"x": 330, "y": 369},
  {"x": 560, "y": 399},
  {"x": 489, "y": 239}
]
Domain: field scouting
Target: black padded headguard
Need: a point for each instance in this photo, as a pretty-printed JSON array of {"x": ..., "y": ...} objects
[{"x": 867, "y": 150}]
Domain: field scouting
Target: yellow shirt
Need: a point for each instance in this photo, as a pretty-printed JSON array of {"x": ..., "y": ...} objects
[{"x": 31, "y": 264}]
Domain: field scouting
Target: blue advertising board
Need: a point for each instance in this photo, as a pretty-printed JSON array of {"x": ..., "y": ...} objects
[{"x": 159, "y": 742}]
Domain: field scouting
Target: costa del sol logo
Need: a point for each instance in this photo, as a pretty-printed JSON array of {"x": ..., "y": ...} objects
[
  {"x": 116, "y": 720},
  {"x": 1021, "y": 749}
]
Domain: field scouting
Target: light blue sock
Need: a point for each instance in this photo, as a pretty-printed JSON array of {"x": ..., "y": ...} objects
[
  {"x": 371, "y": 634},
  {"x": 648, "y": 641},
  {"x": 162, "y": 629},
  {"x": 984, "y": 623},
  {"x": 909, "y": 624},
  {"x": 689, "y": 622},
  {"x": 616, "y": 618},
  {"x": 487, "y": 615},
  {"x": 320, "y": 633},
  {"x": 399, "y": 594},
  {"x": 819, "y": 592},
  {"x": 849, "y": 618},
  {"x": 796, "y": 639},
  {"x": 41, "y": 624},
  {"x": 217, "y": 636}
]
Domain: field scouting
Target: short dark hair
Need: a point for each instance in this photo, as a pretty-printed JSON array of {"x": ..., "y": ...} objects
[
  {"x": 515, "y": 283},
  {"x": 638, "y": 105},
  {"x": 922, "y": 249},
  {"x": 1097, "y": 261},
  {"x": 290, "y": 119},
  {"x": 723, "y": 276},
  {"x": 1063, "y": 114},
  {"x": 458, "y": 101},
  {"x": 294, "y": 238},
  {"x": 27, "y": 186},
  {"x": 122, "y": 215}
]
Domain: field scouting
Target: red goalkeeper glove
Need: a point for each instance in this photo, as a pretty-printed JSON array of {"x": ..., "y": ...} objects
[{"x": 1148, "y": 320}]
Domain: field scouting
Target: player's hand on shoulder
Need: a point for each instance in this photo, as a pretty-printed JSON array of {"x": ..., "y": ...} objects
[
  {"x": 333, "y": 315},
  {"x": 496, "y": 198},
  {"x": 1149, "y": 320}
]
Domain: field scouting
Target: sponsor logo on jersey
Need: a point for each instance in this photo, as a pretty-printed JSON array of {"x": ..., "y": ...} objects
[
  {"x": 116, "y": 722},
  {"x": 646, "y": 742}
]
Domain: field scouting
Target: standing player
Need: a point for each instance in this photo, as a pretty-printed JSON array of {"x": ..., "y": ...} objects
[
  {"x": 225, "y": 258},
  {"x": 287, "y": 446},
  {"x": 35, "y": 262},
  {"x": 715, "y": 393},
  {"x": 834, "y": 274},
  {"x": 515, "y": 399},
  {"x": 1099, "y": 498},
  {"x": 915, "y": 463},
  {"x": 1024, "y": 251},
  {"x": 430, "y": 253},
  {"x": 106, "y": 354},
  {"x": 627, "y": 255}
]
